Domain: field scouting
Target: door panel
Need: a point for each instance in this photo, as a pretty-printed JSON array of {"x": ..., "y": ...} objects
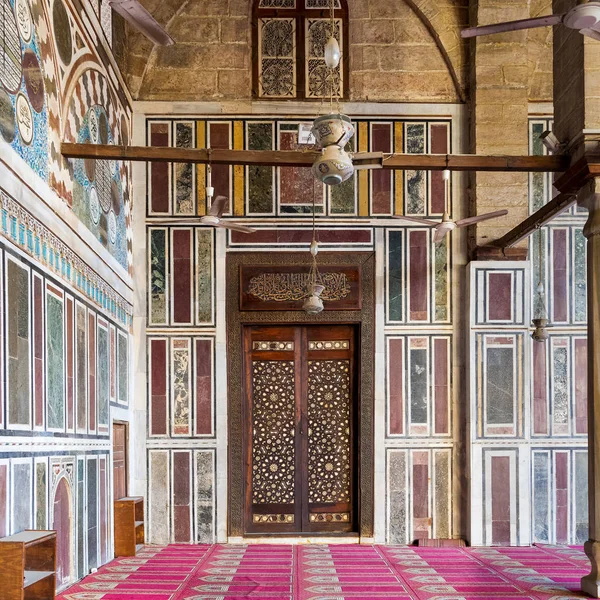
[{"x": 299, "y": 454}]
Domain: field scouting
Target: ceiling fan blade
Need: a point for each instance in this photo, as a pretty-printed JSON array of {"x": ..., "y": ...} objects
[
  {"x": 235, "y": 227},
  {"x": 217, "y": 208},
  {"x": 141, "y": 19},
  {"x": 417, "y": 220},
  {"x": 512, "y": 26},
  {"x": 592, "y": 33},
  {"x": 485, "y": 217},
  {"x": 439, "y": 235}
]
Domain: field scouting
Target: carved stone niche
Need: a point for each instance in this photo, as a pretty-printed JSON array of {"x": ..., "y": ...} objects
[{"x": 362, "y": 264}]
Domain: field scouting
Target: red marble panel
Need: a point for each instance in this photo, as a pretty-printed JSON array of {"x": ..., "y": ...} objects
[
  {"x": 220, "y": 138},
  {"x": 182, "y": 274},
  {"x": 103, "y": 512},
  {"x": 204, "y": 362},
  {"x": 559, "y": 265},
  {"x": 63, "y": 526},
  {"x": 420, "y": 477},
  {"x": 297, "y": 184},
  {"x": 418, "y": 273},
  {"x": 562, "y": 497},
  {"x": 158, "y": 384},
  {"x": 440, "y": 349},
  {"x": 3, "y": 500},
  {"x": 38, "y": 352},
  {"x": 381, "y": 182},
  {"x": 113, "y": 363},
  {"x": 70, "y": 375},
  {"x": 396, "y": 379},
  {"x": 581, "y": 386},
  {"x": 159, "y": 171},
  {"x": 501, "y": 500},
  {"x": 439, "y": 145},
  {"x": 500, "y": 296},
  {"x": 181, "y": 496},
  {"x": 92, "y": 370},
  {"x": 540, "y": 384},
  {"x": 268, "y": 237}
]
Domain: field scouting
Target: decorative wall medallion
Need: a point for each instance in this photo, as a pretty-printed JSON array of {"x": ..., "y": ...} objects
[
  {"x": 94, "y": 206},
  {"x": 285, "y": 288},
  {"x": 112, "y": 227},
  {"x": 24, "y": 119},
  {"x": 10, "y": 49},
  {"x": 93, "y": 125},
  {"x": 62, "y": 32},
  {"x": 34, "y": 80},
  {"x": 7, "y": 117},
  {"x": 24, "y": 22}
]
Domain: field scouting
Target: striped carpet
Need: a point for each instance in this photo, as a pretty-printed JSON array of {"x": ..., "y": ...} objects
[{"x": 344, "y": 572}]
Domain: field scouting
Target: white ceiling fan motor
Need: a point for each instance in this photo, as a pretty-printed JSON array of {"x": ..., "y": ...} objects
[{"x": 583, "y": 16}]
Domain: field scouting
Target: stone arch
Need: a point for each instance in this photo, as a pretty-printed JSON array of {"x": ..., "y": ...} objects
[{"x": 62, "y": 522}]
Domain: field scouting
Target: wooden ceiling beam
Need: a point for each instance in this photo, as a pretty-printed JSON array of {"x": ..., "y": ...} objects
[{"x": 297, "y": 158}]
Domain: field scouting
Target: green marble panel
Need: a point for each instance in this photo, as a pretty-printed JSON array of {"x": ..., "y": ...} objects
[
  {"x": 501, "y": 371},
  {"x": 581, "y": 498},
  {"x": 539, "y": 276},
  {"x": 441, "y": 280},
  {"x": 102, "y": 376},
  {"x": 205, "y": 482},
  {"x": 580, "y": 277},
  {"x": 260, "y": 179},
  {"x": 541, "y": 516},
  {"x": 560, "y": 386},
  {"x": 184, "y": 173},
  {"x": 55, "y": 366},
  {"x": 395, "y": 275},
  {"x": 415, "y": 180},
  {"x": 122, "y": 368},
  {"x": 81, "y": 367},
  {"x": 442, "y": 494},
  {"x": 204, "y": 263},
  {"x": 41, "y": 487},
  {"x": 17, "y": 330},
  {"x": 158, "y": 276},
  {"x": 81, "y": 529}
]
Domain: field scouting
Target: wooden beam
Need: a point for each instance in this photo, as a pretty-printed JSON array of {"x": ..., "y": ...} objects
[
  {"x": 297, "y": 158},
  {"x": 536, "y": 220}
]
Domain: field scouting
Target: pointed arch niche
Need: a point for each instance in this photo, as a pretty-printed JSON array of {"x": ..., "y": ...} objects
[
  {"x": 62, "y": 523},
  {"x": 288, "y": 41}
]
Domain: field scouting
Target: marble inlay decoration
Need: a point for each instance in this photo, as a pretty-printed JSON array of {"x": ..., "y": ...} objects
[
  {"x": 103, "y": 372},
  {"x": 181, "y": 356},
  {"x": 55, "y": 366},
  {"x": 273, "y": 346},
  {"x": 329, "y": 345},
  {"x": 157, "y": 275},
  {"x": 205, "y": 496},
  {"x": 273, "y": 518},
  {"x": 204, "y": 275},
  {"x": 81, "y": 382},
  {"x": 41, "y": 492},
  {"x": 122, "y": 368},
  {"x": 22, "y": 488}
]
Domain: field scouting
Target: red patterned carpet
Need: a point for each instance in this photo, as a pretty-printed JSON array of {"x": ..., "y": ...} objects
[{"x": 306, "y": 572}]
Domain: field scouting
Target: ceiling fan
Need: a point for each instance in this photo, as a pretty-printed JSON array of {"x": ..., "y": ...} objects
[
  {"x": 446, "y": 225},
  {"x": 584, "y": 18},
  {"x": 133, "y": 12},
  {"x": 213, "y": 218}
]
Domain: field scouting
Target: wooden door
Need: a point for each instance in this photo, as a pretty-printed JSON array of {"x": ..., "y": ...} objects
[
  {"x": 300, "y": 452},
  {"x": 119, "y": 460}
]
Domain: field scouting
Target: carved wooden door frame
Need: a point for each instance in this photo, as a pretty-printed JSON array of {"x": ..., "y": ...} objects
[{"x": 364, "y": 319}]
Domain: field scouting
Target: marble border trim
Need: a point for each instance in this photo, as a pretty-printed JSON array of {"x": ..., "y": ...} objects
[{"x": 365, "y": 319}]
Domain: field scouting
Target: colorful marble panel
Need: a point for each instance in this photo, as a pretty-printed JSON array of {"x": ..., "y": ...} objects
[
  {"x": 540, "y": 387},
  {"x": 92, "y": 407},
  {"x": 205, "y": 496},
  {"x": 113, "y": 363},
  {"x": 579, "y": 276},
  {"x": 438, "y": 135},
  {"x": 18, "y": 345},
  {"x": 38, "y": 353},
  {"x": 395, "y": 278},
  {"x": 81, "y": 382},
  {"x": 541, "y": 497},
  {"x": 501, "y": 499},
  {"x": 420, "y": 494},
  {"x": 159, "y": 497},
  {"x": 103, "y": 378},
  {"x": 260, "y": 179},
  {"x": 81, "y": 520},
  {"x": 103, "y": 501},
  {"x": 182, "y": 509},
  {"x": 285, "y": 238},
  {"x": 418, "y": 273},
  {"x": 55, "y": 355},
  {"x": 396, "y": 385},
  {"x": 500, "y": 292},
  {"x": 441, "y": 280},
  {"x": 204, "y": 276},
  {"x": 41, "y": 494},
  {"x": 122, "y": 368},
  {"x": 560, "y": 305},
  {"x": 500, "y": 375},
  {"x": 184, "y": 174},
  {"x": 581, "y": 507},
  {"x": 581, "y": 385},
  {"x": 4, "y": 520},
  {"x": 219, "y": 136},
  {"x": 441, "y": 362},
  {"x": 157, "y": 275},
  {"x": 560, "y": 395},
  {"x": 397, "y": 509},
  {"x": 204, "y": 371},
  {"x": 158, "y": 387},
  {"x": 21, "y": 488},
  {"x": 181, "y": 274},
  {"x": 442, "y": 493},
  {"x": 70, "y": 359},
  {"x": 181, "y": 377},
  {"x": 159, "y": 171},
  {"x": 561, "y": 496},
  {"x": 92, "y": 513},
  {"x": 381, "y": 180},
  {"x": 418, "y": 383},
  {"x": 415, "y": 181}
]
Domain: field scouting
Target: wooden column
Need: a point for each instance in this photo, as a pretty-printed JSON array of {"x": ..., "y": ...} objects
[{"x": 590, "y": 198}]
